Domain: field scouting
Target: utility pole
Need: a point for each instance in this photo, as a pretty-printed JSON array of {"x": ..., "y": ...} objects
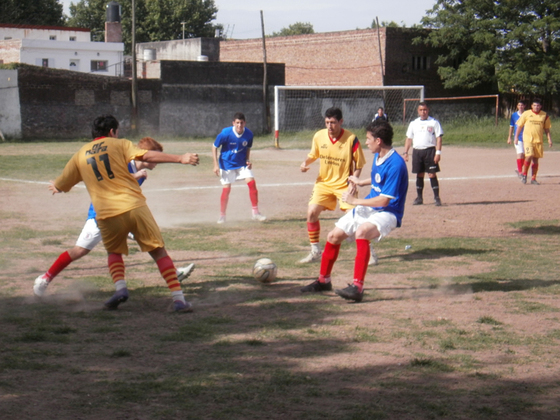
[
  {"x": 134, "y": 117},
  {"x": 266, "y": 108},
  {"x": 183, "y": 23}
]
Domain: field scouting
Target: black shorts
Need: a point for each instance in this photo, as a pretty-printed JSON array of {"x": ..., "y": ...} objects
[{"x": 423, "y": 161}]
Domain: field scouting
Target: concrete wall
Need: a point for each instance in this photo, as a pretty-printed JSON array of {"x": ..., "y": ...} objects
[
  {"x": 183, "y": 49},
  {"x": 43, "y": 32},
  {"x": 10, "y": 117}
]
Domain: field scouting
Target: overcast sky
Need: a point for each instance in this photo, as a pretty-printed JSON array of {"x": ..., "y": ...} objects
[{"x": 241, "y": 19}]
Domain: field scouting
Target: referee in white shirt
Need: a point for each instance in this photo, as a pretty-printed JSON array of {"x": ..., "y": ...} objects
[{"x": 424, "y": 134}]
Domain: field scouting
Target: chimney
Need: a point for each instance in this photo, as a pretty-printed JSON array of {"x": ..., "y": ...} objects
[{"x": 113, "y": 28}]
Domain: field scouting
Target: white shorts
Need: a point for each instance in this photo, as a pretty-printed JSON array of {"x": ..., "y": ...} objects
[
  {"x": 519, "y": 148},
  {"x": 90, "y": 236},
  {"x": 232, "y": 175},
  {"x": 383, "y": 220}
]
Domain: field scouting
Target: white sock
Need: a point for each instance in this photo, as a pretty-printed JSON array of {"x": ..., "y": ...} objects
[
  {"x": 315, "y": 248},
  {"x": 121, "y": 284},
  {"x": 178, "y": 295}
]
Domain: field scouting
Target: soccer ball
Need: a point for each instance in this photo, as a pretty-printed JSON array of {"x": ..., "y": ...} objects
[{"x": 265, "y": 270}]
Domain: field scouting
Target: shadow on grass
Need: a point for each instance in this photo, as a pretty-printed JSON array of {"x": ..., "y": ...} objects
[
  {"x": 436, "y": 253},
  {"x": 504, "y": 285},
  {"x": 489, "y": 203},
  {"x": 540, "y": 230}
]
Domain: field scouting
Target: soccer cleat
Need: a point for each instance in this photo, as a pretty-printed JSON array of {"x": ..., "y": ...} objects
[
  {"x": 184, "y": 272},
  {"x": 119, "y": 297},
  {"x": 259, "y": 217},
  {"x": 437, "y": 202},
  {"x": 535, "y": 182},
  {"x": 373, "y": 259},
  {"x": 351, "y": 293},
  {"x": 179, "y": 306},
  {"x": 222, "y": 220},
  {"x": 312, "y": 257},
  {"x": 40, "y": 286},
  {"x": 317, "y": 286},
  {"x": 523, "y": 179},
  {"x": 418, "y": 201}
]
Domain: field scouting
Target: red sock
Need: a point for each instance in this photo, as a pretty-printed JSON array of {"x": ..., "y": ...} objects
[
  {"x": 253, "y": 194},
  {"x": 224, "y": 200},
  {"x": 116, "y": 267},
  {"x": 361, "y": 262},
  {"x": 534, "y": 170},
  {"x": 526, "y": 167},
  {"x": 60, "y": 264},
  {"x": 169, "y": 273},
  {"x": 314, "y": 232},
  {"x": 520, "y": 165},
  {"x": 330, "y": 255}
]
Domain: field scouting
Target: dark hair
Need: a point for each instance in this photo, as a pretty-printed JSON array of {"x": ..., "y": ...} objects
[
  {"x": 103, "y": 125},
  {"x": 382, "y": 130},
  {"x": 333, "y": 112},
  {"x": 380, "y": 108},
  {"x": 537, "y": 101},
  {"x": 239, "y": 116},
  {"x": 423, "y": 104}
]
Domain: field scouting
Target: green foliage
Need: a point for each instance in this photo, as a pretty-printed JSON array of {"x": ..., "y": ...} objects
[
  {"x": 32, "y": 12},
  {"x": 513, "y": 45},
  {"x": 298, "y": 28},
  {"x": 385, "y": 24},
  {"x": 156, "y": 20}
]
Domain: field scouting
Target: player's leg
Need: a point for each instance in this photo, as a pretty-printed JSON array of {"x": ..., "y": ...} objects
[
  {"x": 528, "y": 147},
  {"x": 322, "y": 198},
  {"x": 419, "y": 170},
  {"x": 534, "y": 171},
  {"x": 224, "y": 198},
  {"x": 254, "y": 196},
  {"x": 148, "y": 236},
  {"x": 433, "y": 169},
  {"x": 88, "y": 239},
  {"x": 520, "y": 158},
  {"x": 329, "y": 257}
]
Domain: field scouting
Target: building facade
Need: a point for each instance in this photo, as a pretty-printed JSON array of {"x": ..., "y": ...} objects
[{"x": 60, "y": 48}]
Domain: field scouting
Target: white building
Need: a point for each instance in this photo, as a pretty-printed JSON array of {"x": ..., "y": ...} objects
[{"x": 59, "y": 48}]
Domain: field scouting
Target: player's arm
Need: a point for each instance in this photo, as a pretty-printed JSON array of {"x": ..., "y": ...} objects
[
  {"x": 216, "y": 169},
  {"x": 407, "y": 144},
  {"x": 439, "y": 142},
  {"x": 359, "y": 182},
  {"x": 159, "y": 157},
  {"x": 509, "y": 134},
  {"x": 304, "y": 167},
  {"x": 379, "y": 201},
  {"x": 547, "y": 131},
  {"x": 247, "y": 160}
]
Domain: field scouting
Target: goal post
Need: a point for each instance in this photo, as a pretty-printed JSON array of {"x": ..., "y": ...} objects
[{"x": 299, "y": 108}]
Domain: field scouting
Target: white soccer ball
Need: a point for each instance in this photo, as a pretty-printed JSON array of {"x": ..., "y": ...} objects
[{"x": 265, "y": 270}]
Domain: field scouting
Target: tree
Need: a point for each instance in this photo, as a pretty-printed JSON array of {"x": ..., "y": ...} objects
[
  {"x": 156, "y": 20},
  {"x": 385, "y": 24},
  {"x": 32, "y": 12},
  {"x": 512, "y": 44},
  {"x": 298, "y": 28}
]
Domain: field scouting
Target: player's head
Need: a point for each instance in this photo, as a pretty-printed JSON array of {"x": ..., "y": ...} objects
[
  {"x": 103, "y": 125},
  {"x": 334, "y": 112},
  {"x": 536, "y": 105},
  {"x": 239, "y": 122},
  {"x": 380, "y": 111},
  {"x": 423, "y": 110},
  {"x": 148, "y": 143},
  {"x": 382, "y": 131},
  {"x": 521, "y": 106}
]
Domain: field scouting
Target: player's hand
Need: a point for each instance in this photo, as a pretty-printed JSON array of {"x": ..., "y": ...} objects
[
  {"x": 53, "y": 188},
  {"x": 348, "y": 197},
  {"x": 354, "y": 180},
  {"x": 216, "y": 170},
  {"x": 405, "y": 157},
  {"x": 303, "y": 168},
  {"x": 249, "y": 164},
  {"x": 516, "y": 142},
  {"x": 437, "y": 158},
  {"x": 509, "y": 140},
  {"x": 142, "y": 173},
  {"x": 190, "y": 159}
]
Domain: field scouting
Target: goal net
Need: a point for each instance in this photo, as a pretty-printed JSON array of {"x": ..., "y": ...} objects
[{"x": 300, "y": 108}]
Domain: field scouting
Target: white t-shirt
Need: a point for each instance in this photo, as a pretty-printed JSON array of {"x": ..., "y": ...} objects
[{"x": 424, "y": 132}]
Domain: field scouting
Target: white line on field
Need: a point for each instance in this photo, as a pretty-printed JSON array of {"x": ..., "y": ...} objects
[{"x": 25, "y": 181}]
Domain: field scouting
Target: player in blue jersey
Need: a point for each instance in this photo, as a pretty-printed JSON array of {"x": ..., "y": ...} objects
[
  {"x": 233, "y": 145},
  {"x": 374, "y": 216},
  {"x": 519, "y": 145},
  {"x": 91, "y": 235}
]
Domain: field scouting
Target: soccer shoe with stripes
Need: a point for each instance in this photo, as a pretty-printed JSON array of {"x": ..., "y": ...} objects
[
  {"x": 437, "y": 202},
  {"x": 350, "y": 293},
  {"x": 40, "y": 286},
  {"x": 119, "y": 297},
  {"x": 316, "y": 287},
  {"x": 184, "y": 272},
  {"x": 373, "y": 259},
  {"x": 222, "y": 220},
  {"x": 259, "y": 217},
  {"x": 179, "y": 306},
  {"x": 312, "y": 257},
  {"x": 535, "y": 182},
  {"x": 418, "y": 201}
]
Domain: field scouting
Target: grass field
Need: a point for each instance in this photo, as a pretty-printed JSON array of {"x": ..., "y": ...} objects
[{"x": 459, "y": 326}]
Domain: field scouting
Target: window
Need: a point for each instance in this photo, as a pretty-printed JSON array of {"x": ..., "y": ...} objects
[
  {"x": 72, "y": 38},
  {"x": 99, "y": 65},
  {"x": 52, "y": 37},
  {"x": 45, "y": 62},
  {"x": 7, "y": 37},
  {"x": 420, "y": 62}
]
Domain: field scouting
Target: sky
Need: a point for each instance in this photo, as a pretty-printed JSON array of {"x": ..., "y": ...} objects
[{"x": 242, "y": 19}]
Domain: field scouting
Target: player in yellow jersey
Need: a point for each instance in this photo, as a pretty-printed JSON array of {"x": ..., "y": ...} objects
[
  {"x": 534, "y": 124},
  {"x": 340, "y": 156},
  {"x": 120, "y": 205}
]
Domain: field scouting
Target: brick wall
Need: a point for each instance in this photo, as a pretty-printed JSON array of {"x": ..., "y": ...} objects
[
  {"x": 10, "y": 51},
  {"x": 348, "y": 58}
]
